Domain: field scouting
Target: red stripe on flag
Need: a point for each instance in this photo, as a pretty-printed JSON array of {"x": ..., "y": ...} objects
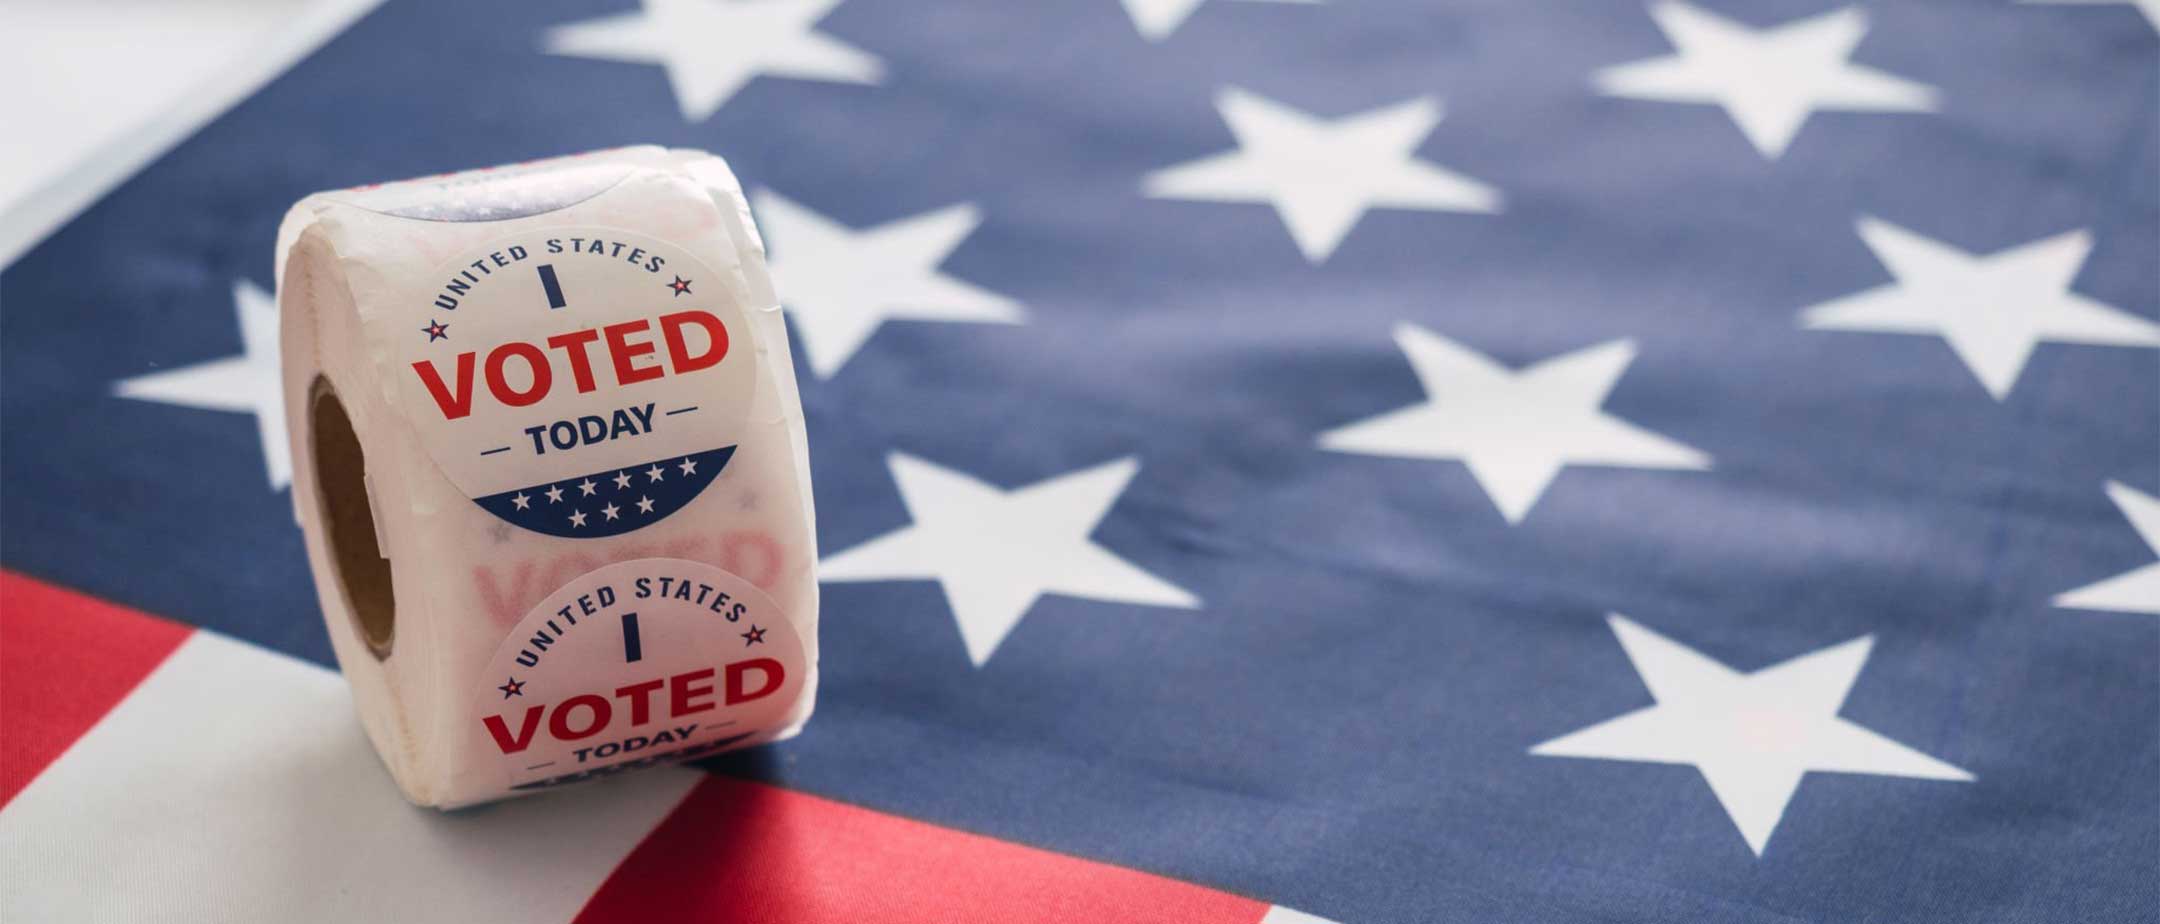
[
  {"x": 65, "y": 661},
  {"x": 746, "y": 852}
]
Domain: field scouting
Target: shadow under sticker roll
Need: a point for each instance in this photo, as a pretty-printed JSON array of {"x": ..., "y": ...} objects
[{"x": 550, "y": 465}]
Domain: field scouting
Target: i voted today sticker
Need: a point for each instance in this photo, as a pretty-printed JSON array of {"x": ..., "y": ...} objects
[
  {"x": 636, "y": 663},
  {"x": 577, "y": 382}
]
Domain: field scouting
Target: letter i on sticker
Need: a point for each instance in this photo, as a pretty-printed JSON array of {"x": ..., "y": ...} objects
[{"x": 552, "y": 286}]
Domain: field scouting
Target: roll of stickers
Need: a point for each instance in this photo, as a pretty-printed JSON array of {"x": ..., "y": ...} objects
[{"x": 550, "y": 464}]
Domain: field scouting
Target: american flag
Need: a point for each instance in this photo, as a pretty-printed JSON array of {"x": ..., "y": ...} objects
[{"x": 1353, "y": 461}]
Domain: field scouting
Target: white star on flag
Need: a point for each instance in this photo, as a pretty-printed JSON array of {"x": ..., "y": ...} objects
[
  {"x": 1322, "y": 175},
  {"x": 249, "y": 382},
  {"x": 1752, "y": 736},
  {"x": 840, "y": 284},
  {"x": 1156, "y": 19},
  {"x": 995, "y": 550},
  {"x": 2135, "y": 591},
  {"x": 711, "y": 48},
  {"x": 1769, "y": 80},
  {"x": 1992, "y": 310},
  {"x": 1515, "y": 430}
]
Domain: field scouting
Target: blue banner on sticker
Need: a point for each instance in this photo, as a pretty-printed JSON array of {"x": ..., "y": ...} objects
[{"x": 610, "y": 502}]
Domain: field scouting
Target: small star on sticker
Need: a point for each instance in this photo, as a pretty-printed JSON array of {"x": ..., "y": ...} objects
[
  {"x": 436, "y": 331},
  {"x": 680, "y": 285},
  {"x": 654, "y": 472},
  {"x": 611, "y": 510},
  {"x": 512, "y": 687},
  {"x": 752, "y": 637},
  {"x": 554, "y": 494},
  {"x": 522, "y": 500},
  {"x": 644, "y": 504},
  {"x": 622, "y": 479},
  {"x": 577, "y": 517},
  {"x": 587, "y": 487},
  {"x": 689, "y": 467}
]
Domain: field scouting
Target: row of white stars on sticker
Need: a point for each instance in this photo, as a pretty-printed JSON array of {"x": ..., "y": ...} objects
[
  {"x": 577, "y": 517},
  {"x": 589, "y": 487}
]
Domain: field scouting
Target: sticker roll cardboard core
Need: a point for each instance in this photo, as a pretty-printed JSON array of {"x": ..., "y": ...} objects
[{"x": 362, "y": 571}]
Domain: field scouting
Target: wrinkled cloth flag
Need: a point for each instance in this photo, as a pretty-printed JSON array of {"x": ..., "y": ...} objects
[{"x": 1348, "y": 461}]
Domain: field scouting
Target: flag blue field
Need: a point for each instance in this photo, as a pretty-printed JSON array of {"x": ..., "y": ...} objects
[{"x": 1398, "y": 461}]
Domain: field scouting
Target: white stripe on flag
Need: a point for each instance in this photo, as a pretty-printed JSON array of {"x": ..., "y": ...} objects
[{"x": 234, "y": 785}]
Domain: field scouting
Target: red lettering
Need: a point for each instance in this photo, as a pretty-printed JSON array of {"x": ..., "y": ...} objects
[
  {"x": 573, "y": 346},
  {"x": 524, "y": 737},
  {"x": 623, "y": 351},
  {"x": 680, "y": 693},
  {"x": 687, "y": 694},
  {"x": 632, "y": 354},
  {"x": 542, "y": 375},
  {"x": 454, "y": 404},
  {"x": 679, "y": 350},
  {"x": 641, "y": 707},
  {"x": 559, "y": 722},
  {"x": 773, "y": 674}
]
